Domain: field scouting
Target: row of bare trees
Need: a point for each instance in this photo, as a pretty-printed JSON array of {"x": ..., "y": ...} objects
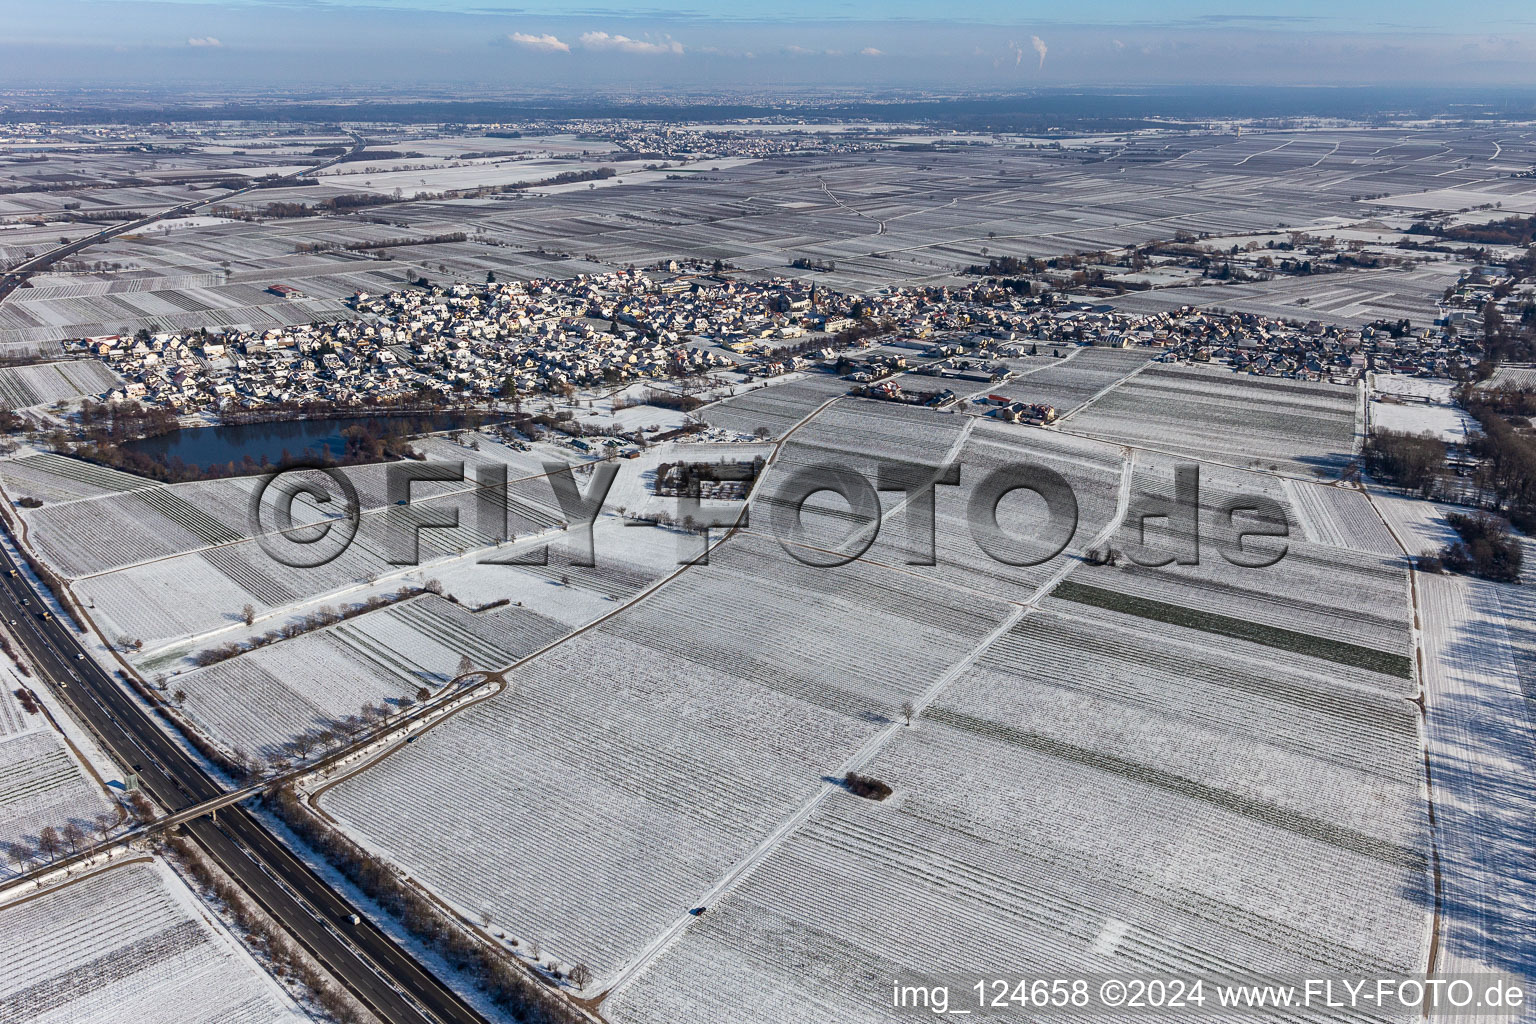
[
  {"x": 326, "y": 615},
  {"x": 339, "y": 731},
  {"x": 52, "y": 843}
]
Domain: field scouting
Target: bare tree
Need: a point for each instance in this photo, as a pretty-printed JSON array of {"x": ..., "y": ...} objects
[
  {"x": 105, "y": 822},
  {"x": 581, "y": 976},
  {"x": 74, "y": 837},
  {"x": 179, "y": 696},
  {"x": 19, "y": 854},
  {"x": 405, "y": 703},
  {"x": 303, "y": 744},
  {"x": 907, "y": 711},
  {"x": 422, "y": 693},
  {"x": 49, "y": 844},
  {"x": 465, "y": 667},
  {"x": 350, "y": 726},
  {"x": 248, "y": 613}
]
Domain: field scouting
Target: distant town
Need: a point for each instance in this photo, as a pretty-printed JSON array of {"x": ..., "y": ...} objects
[{"x": 518, "y": 340}]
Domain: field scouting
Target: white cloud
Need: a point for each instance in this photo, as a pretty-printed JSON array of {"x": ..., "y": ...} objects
[
  {"x": 870, "y": 51},
  {"x": 203, "y": 41},
  {"x": 545, "y": 43},
  {"x": 625, "y": 44}
]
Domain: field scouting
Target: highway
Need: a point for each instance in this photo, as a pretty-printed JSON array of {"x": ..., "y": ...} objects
[
  {"x": 382, "y": 975},
  {"x": 14, "y": 277}
]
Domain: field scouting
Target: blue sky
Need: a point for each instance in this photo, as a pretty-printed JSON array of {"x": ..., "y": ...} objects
[{"x": 660, "y": 45}]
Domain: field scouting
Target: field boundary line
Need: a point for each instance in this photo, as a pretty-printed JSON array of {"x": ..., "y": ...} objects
[
  {"x": 790, "y": 823},
  {"x": 1422, "y": 702},
  {"x": 1106, "y": 389},
  {"x": 862, "y": 756}
]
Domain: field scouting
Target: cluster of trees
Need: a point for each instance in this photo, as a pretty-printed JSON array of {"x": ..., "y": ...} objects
[
  {"x": 1486, "y": 549},
  {"x": 382, "y": 243},
  {"x": 1004, "y": 266},
  {"x": 661, "y": 399},
  {"x": 504, "y": 981},
  {"x": 111, "y": 423},
  {"x": 345, "y": 203},
  {"x": 1414, "y": 462},
  {"x": 1506, "y": 452},
  {"x": 6, "y": 649},
  {"x": 866, "y": 787},
  {"x": 563, "y": 178},
  {"x": 1516, "y": 231},
  {"x": 380, "y": 154}
]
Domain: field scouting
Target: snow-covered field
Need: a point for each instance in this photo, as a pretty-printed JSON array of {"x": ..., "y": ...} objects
[
  {"x": 1340, "y": 516},
  {"x": 1405, "y": 408},
  {"x": 1479, "y": 695},
  {"x": 260, "y": 700},
  {"x": 1092, "y": 796},
  {"x": 43, "y": 383},
  {"x": 42, "y": 786},
  {"x": 1443, "y": 421},
  {"x": 128, "y": 944},
  {"x": 1237, "y": 419},
  {"x": 1512, "y": 375},
  {"x": 636, "y": 762},
  {"x": 1069, "y": 384},
  {"x": 773, "y": 406}
]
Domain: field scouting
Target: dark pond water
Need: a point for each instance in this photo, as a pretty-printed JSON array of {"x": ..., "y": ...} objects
[{"x": 215, "y": 446}]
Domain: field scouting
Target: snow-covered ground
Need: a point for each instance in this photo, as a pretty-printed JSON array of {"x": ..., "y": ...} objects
[
  {"x": 1479, "y": 680},
  {"x": 129, "y": 943},
  {"x": 1439, "y": 416}
]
